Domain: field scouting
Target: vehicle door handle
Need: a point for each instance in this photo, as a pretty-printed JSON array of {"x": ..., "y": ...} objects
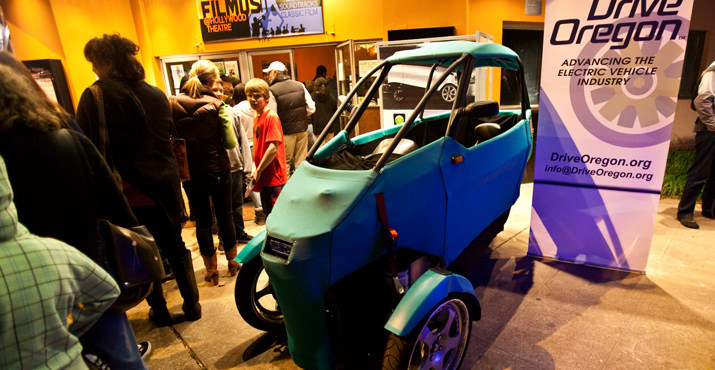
[{"x": 457, "y": 159}]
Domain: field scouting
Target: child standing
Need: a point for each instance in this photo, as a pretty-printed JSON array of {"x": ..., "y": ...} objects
[{"x": 268, "y": 149}]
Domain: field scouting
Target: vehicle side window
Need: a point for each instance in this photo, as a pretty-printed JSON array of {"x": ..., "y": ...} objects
[{"x": 428, "y": 131}]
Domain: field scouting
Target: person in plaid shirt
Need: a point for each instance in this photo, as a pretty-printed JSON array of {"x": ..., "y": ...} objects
[{"x": 50, "y": 294}]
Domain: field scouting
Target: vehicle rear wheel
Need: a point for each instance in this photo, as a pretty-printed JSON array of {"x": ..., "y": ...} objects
[
  {"x": 439, "y": 342},
  {"x": 255, "y": 299}
]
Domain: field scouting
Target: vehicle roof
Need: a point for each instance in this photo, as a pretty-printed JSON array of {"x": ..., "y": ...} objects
[{"x": 444, "y": 53}]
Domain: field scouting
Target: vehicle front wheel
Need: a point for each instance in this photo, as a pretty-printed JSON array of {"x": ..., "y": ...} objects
[
  {"x": 439, "y": 342},
  {"x": 448, "y": 92},
  {"x": 255, "y": 299}
]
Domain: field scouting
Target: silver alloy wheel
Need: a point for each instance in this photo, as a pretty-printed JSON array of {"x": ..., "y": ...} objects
[
  {"x": 255, "y": 298},
  {"x": 449, "y": 92},
  {"x": 443, "y": 339},
  {"x": 263, "y": 297},
  {"x": 398, "y": 95}
]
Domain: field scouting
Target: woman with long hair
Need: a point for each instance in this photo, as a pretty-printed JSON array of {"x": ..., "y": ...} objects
[
  {"x": 62, "y": 186},
  {"x": 130, "y": 123},
  {"x": 204, "y": 121}
]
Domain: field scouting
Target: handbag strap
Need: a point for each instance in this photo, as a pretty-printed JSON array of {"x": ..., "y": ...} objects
[
  {"x": 102, "y": 143},
  {"x": 103, "y": 137}
]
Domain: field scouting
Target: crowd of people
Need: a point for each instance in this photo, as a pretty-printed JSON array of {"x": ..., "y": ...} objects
[{"x": 60, "y": 175}]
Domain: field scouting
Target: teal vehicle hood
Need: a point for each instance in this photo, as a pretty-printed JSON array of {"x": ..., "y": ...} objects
[
  {"x": 315, "y": 200},
  {"x": 307, "y": 211}
]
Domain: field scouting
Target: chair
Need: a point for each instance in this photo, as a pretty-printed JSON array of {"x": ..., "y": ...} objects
[{"x": 486, "y": 131}]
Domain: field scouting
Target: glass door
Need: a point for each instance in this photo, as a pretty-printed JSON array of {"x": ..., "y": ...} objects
[
  {"x": 261, "y": 60},
  {"x": 353, "y": 60}
]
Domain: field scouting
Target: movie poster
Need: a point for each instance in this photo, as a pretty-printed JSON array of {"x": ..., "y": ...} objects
[{"x": 223, "y": 20}]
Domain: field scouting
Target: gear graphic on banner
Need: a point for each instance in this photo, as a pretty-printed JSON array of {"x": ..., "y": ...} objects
[
  {"x": 643, "y": 97},
  {"x": 631, "y": 103}
]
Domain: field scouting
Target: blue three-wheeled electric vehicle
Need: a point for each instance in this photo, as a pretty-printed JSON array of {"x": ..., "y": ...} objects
[{"x": 354, "y": 262}]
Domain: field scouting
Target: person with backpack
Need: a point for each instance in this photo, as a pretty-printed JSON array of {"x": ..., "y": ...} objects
[{"x": 701, "y": 176}]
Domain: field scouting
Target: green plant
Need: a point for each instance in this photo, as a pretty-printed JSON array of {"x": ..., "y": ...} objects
[{"x": 676, "y": 172}]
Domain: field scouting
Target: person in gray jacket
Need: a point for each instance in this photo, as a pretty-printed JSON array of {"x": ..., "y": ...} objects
[
  {"x": 701, "y": 176},
  {"x": 241, "y": 160}
]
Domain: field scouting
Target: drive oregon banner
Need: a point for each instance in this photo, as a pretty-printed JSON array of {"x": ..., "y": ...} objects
[
  {"x": 609, "y": 83},
  {"x": 258, "y": 19}
]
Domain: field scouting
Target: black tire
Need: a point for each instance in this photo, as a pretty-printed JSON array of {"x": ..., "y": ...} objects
[
  {"x": 424, "y": 347},
  {"x": 255, "y": 299}
]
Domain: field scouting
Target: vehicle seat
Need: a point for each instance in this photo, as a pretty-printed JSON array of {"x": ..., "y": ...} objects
[
  {"x": 405, "y": 146},
  {"x": 486, "y": 131}
]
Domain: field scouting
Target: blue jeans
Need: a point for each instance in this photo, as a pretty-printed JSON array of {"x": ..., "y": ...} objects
[{"x": 112, "y": 339}]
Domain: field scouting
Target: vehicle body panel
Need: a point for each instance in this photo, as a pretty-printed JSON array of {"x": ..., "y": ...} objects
[
  {"x": 325, "y": 227},
  {"x": 424, "y": 295},
  {"x": 484, "y": 184},
  {"x": 252, "y": 249}
]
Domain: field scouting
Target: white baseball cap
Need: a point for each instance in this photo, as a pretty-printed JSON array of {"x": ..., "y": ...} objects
[{"x": 275, "y": 66}]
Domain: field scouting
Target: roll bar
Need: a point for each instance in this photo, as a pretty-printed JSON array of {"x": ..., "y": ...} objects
[{"x": 420, "y": 106}]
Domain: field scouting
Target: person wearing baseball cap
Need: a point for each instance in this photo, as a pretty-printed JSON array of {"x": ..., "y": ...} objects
[
  {"x": 275, "y": 66},
  {"x": 294, "y": 105}
]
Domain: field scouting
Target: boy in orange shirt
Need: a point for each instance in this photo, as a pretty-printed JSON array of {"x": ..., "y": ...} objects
[{"x": 268, "y": 149}]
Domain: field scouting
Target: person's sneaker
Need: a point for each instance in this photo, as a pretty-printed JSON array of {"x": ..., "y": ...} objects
[
  {"x": 245, "y": 238},
  {"x": 94, "y": 362},
  {"x": 144, "y": 349},
  {"x": 689, "y": 222}
]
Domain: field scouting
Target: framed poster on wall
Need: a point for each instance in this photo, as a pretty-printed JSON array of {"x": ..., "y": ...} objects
[{"x": 222, "y": 20}]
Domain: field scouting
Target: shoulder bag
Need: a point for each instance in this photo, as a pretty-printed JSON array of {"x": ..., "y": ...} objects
[{"x": 132, "y": 255}]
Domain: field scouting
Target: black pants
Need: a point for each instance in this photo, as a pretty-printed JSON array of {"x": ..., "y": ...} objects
[
  {"x": 216, "y": 186},
  {"x": 237, "y": 202},
  {"x": 171, "y": 245},
  {"x": 269, "y": 194},
  {"x": 702, "y": 173}
]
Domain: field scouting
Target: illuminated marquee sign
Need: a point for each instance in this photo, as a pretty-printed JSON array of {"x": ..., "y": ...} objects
[{"x": 258, "y": 19}]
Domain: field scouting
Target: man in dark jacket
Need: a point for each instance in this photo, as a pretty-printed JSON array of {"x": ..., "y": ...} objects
[
  {"x": 702, "y": 172},
  {"x": 325, "y": 106},
  {"x": 291, "y": 100}
]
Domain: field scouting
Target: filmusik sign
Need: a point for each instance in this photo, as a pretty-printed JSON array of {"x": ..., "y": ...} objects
[{"x": 223, "y": 20}]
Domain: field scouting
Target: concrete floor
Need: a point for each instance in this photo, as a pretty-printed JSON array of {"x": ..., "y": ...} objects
[{"x": 537, "y": 314}]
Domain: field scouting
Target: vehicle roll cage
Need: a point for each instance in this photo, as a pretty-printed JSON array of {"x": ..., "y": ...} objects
[{"x": 464, "y": 63}]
